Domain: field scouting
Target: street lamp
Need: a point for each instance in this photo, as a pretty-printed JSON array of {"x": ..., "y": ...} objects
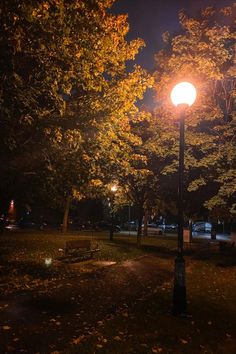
[
  {"x": 113, "y": 190},
  {"x": 182, "y": 96}
]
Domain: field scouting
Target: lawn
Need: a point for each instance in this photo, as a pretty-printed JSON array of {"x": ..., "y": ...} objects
[{"x": 118, "y": 303}]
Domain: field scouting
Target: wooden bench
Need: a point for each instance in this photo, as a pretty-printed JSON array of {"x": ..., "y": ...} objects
[{"x": 76, "y": 250}]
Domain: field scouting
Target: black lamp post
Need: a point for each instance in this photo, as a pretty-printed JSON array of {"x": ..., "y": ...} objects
[
  {"x": 182, "y": 95},
  {"x": 113, "y": 190}
]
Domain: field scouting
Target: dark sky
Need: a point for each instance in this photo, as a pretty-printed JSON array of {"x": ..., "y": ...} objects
[{"x": 148, "y": 19}]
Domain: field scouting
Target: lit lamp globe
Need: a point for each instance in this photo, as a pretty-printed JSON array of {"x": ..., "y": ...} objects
[
  {"x": 114, "y": 188},
  {"x": 183, "y": 93}
]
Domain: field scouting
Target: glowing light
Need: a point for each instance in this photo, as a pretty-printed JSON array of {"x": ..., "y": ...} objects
[
  {"x": 48, "y": 261},
  {"x": 12, "y": 211},
  {"x": 12, "y": 205},
  {"x": 183, "y": 93},
  {"x": 114, "y": 188}
]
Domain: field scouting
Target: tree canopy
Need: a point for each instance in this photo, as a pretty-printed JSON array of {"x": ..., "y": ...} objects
[
  {"x": 204, "y": 54},
  {"x": 67, "y": 98}
]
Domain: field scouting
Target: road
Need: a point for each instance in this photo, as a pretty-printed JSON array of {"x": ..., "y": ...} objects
[{"x": 196, "y": 235}]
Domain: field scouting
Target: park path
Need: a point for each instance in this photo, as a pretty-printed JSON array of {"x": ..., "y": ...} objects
[{"x": 48, "y": 320}]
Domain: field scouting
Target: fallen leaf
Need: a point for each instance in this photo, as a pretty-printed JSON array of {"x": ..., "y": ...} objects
[
  {"x": 117, "y": 338},
  {"x": 184, "y": 341},
  {"x": 6, "y": 328},
  {"x": 10, "y": 348},
  {"x": 78, "y": 340},
  {"x": 156, "y": 350}
]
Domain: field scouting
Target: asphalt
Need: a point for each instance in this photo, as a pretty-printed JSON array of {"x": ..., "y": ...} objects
[{"x": 196, "y": 235}]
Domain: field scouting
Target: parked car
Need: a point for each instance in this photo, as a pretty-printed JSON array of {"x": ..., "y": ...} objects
[
  {"x": 153, "y": 229},
  {"x": 78, "y": 226},
  {"x": 168, "y": 227},
  {"x": 103, "y": 225},
  {"x": 32, "y": 224},
  {"x": 202, "y": 226},
  {"x": 11, "y": 225},
  {"x": 28, "y": 224},
  {"x": 130, "y": 225}
]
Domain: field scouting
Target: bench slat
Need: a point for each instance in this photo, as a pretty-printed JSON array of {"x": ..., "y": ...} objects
[
  {"x": 78, "y": 244},
  {"x": 77, "y": 249}
]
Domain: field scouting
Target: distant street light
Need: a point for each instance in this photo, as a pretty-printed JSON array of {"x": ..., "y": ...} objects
[
  {"x": 113, "y": 190},
  {"x": 182, "y": 95}
]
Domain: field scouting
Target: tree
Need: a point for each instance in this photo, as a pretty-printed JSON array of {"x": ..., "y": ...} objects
[
  {"x": 141, "y": 177},
  {"x": 65, "y": 91},
  {"x": 204, "y": 53}
]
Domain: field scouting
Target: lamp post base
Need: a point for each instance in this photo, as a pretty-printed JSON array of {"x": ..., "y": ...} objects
[
  {"x": 179, "y": 292},
  {"x": 111, "y": 233}
]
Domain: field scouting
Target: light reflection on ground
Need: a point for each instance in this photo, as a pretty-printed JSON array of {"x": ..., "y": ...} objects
[{"x": 104, "y": 263}]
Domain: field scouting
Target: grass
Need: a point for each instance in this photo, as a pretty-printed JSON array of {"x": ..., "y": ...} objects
[
  {"x": 36, "y": 246},
  {"x": 144, "y": 325}
]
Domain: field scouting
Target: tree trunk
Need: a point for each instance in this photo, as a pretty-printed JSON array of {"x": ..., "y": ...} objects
[
  {"x": 213, "y": 231},
  {"x": 111, "y": 227},
  {"x": 66, "y": 214},
  {"x": 145, "y": 223},
  {"x": 140, "y": 221}
]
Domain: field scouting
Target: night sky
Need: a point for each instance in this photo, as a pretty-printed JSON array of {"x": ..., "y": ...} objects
[{"x": 149, "y": 19}]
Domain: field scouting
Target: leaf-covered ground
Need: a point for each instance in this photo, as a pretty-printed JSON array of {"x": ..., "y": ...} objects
[{"x": 117, "y": 303}]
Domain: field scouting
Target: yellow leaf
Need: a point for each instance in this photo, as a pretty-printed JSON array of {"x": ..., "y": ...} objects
[
  {"x": 156, "y": 350},
  {"x": 6, "y": 328},
  {"x": 183, "y": 341},
  {"x": 78, "y": 340},
  {"x": 117, "y": 338},
  {"x": 125, "y": 314}
]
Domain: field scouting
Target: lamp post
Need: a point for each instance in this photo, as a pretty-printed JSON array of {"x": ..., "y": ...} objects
[
  {"x": 182, "y": 95},
  {"x": 113, "y": 191},
  {"x": 129, "y": 217}
]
